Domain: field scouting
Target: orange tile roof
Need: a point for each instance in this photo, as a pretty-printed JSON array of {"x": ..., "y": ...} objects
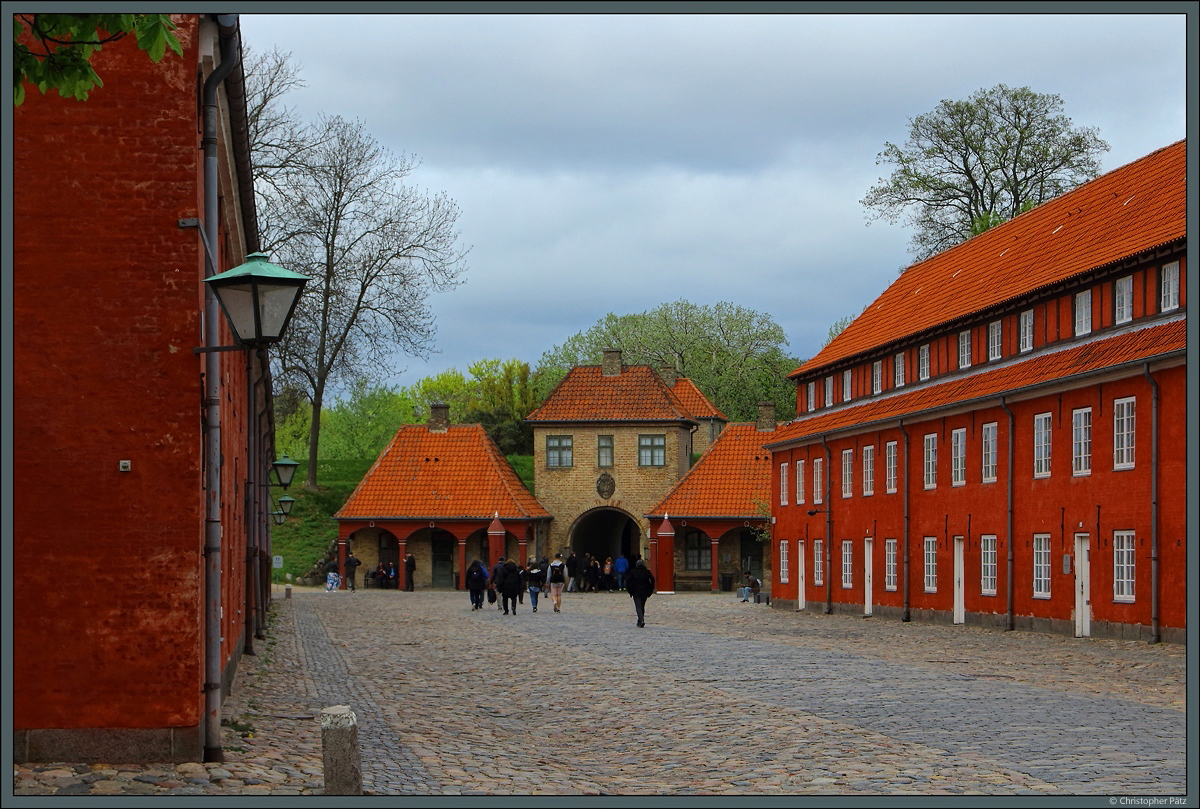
[
  {"x": 637, "y": 394},
  {"x": 1039, "y": 369},
  {"x": 696, "y": 402},
  {"x": 458, "y": 473},
  {"x": 1132, "y": 209},
  {"x": 727, "y": 481}
]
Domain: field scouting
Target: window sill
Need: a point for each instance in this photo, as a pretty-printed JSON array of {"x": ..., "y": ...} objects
[
  {"x": 991, "y": 593},
  {"x": 1124, "y": 600},
  {"x": 1086, "y": 474},
  {"x": 1042, "y": 596}
]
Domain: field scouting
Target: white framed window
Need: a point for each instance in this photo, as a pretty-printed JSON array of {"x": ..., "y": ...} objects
[
  {"x": 847, "y": 472},
  {"x": 1123, "y": 433},
  {"x": 799, "y": 482},
  {"x": 604, "y": 450},
  {"x": 931, "y": 564},
  {"x": 964, "y": 349},
  {"x": 1041, "y": 445},
  {"x": 877, "y": 376},
  {"x": 923, "y": 362},
  {"x": 817, "y": 482},
  {"x": 1081, "y": 441},
  {"x": 783, "y": 562},
  {"x": 783, "y": 484},
  {"x": 1041, "y": 565},
  {"x": 829, "y": 391},
  {"x": 559, "y": 450},
  {"x": 889, "y": 564},
  {"x": 1123, "y": 300},
  {"x": 989, "y": 452},
  {"x": 931, "y": 461},
  {"x": 818, "y": 566},
  {"x": 987, "y": 568},
  {"x": 812, "y": 394},
  {"x": 958, "y": 457},
  {"x": 1083, "y": 313},
  {"x": 1026, "y": 331},
  {"x": 847, "y": 564},
  {"x": 898, "y": 370},
  {"x": 890, "y": 466},
  {"x": 652, "y": 450},
  {"x": 1168, "y": 287},
  {"x": 847, "y": 381},
  {"x": 1124, "y": 555},
  {"x": 995, "y": 339},
  {"x": 868, "y": 458}
]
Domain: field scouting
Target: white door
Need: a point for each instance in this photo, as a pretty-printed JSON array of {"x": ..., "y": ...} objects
[
  {"x": 1083, "y": 586},
  {"x": 960, "y": 600},
  {"x": 800, "y": 574},
  {"x": 867, "y": 579}
]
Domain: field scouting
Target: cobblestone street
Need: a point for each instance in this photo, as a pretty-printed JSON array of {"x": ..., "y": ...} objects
[{"x": 713, "y": 697}]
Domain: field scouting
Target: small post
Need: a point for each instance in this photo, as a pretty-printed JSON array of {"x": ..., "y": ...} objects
[
  {"x": 287, "y": 591},
  {"x": 340, "y": 753}
]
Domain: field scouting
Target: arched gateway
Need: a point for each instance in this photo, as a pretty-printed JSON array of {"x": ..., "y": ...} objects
[{"x": 605, "y": 532}]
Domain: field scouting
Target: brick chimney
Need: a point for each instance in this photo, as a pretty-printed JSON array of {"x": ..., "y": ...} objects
[
  {"x": 612, "y": 362},
  {"x": 668, "y": 374},
  {"x": 439, "y": 417},
  {"x": 766, "y": 417}
]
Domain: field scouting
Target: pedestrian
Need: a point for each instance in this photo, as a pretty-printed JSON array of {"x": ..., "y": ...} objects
[
  {"x": 752, "y": 587},
  {"x": 607, "y": 580},
  {"x": 410, "y": 564},
  {"x": 556, "y": 577},
  {"x": 521, "y": 592},
  {"x": 351, "y": 565},
  {"x": 592, "y": 576},
  {"x": 510, "y": 585},
  {"x": 621, "y": 568},
  {"x": 497, "y": 574},
  {"x": 640, "y": 586},
  {"x": 535, "y": 581},
  {"x": 331, "y": 576},
  {"x": 572, "y": 573},
  {"x": 477, "y": 581},
  {"x": 392, "y": 578}
]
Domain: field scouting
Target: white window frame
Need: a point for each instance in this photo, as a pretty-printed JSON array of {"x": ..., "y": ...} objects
[
  {"x": 1081, "y": 441},
  {"x": 990, "y": 432},
  {"x": 877, "y": 377},
  {"x": 847, "y": 386},
  {"x": 1041, "y": 565},
  {"x": 890, "y": 466},
  {"x": 898, "y": 370},
  {"x": 812, "y": 396},
  {"x": 958, "y": 457},
  {"x": 818, "y": 463},
  {"x": 1124, "y": 432},
  {"x": 1083, "y": 313},
  {"x": 652, "y": 449},
  {"x": 868, "y": 466},
  {"x": 818, "y": 546},
  {"x": 923, "y": 362},
  {"x": 1123, "y": 300},
  {"x": 995, "y": 339},
  {"x": 930, "y": 564},
  {"x": 829, "y": 391},
  {"x": 1026, "y": 331},
  {"x": 889, "y": 564},
  {"x": 560, "y": 448},
  {"x": 964, "y": 349},
  {"x": 1124, "y": 566},
  {"x": 987, "y": 564},
  {"x": 799, "y": 483},
  {"x": 1041, "y": 445},
  {"x": 783, "y": 561},
  {"x": 1168, "y": 287},
  {"x": 847, "y": 473},
  {"x": 783, "y": 484},
  {"x": 931, "y": 461},
  {"x": 847, "y": 564}
]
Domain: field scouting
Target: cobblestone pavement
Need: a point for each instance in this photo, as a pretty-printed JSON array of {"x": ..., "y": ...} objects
[{"x": 713, "y": 697}]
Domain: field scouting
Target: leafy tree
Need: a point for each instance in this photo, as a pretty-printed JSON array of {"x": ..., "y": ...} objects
[
  {"x": 360, "y": 424},
  {"x": 734, "y": 355},
  {"x": 837, "y": 327},
  {"x": 969, "y": 165},
  {"x": 59, "y": 57}
]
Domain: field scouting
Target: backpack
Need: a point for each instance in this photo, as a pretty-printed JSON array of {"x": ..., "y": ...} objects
[{"x": 556, "y": 574}]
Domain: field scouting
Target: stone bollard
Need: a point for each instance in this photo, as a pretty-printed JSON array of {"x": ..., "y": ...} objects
[
  {"x": 287, "y": 591},
  {"x": 339, "y": 751}
]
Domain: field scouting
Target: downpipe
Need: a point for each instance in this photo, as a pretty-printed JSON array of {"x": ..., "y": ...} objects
[
  {"x": 1009, "y": 619},
  {"x": 906, "y": 613},
  {"x": 1155, "y": 629},
  {"x": 828, "y": 526}
]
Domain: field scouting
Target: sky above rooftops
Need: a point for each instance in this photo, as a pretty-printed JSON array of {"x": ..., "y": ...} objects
[{"x": 614, "y": 163}]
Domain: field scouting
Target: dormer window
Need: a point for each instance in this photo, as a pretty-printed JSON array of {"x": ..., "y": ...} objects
[
  {"x": 1168, "y": 287},
  {"x": 812, "y": 396},
  {"x": 1083, "y": 313},
  {"x": 1123, "y": 300},
  {"x": 964, "y": 349},
  {"x": 877, "y": 376},
  {"x": 846, "y": 382},
  {"x": 1026, "y": 331},
  {"x": 899, "y": 370},
  {"x": 995, "y": 338},
  {"x": 923, "y": 362},
  {"x": 829, "y": 391}
]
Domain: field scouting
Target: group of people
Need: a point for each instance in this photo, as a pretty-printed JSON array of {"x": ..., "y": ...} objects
[
  {"x": 590, "y": 575},
  {"x": 385, "y": 576},
  {"x": 507, "y": 582}
]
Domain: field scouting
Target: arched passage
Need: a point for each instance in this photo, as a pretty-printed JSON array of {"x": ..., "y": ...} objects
[{"x": 605, "y": 532}]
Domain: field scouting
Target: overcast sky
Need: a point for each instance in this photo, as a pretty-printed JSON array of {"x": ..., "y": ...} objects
[{"x": 615, "y": 163}]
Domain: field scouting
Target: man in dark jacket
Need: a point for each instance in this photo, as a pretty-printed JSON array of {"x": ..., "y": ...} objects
[
  {"x": 410, "y": 564},
  {"x": 351, "y": 564},
  {"x": 640, "y": 585},
  {"x": 572, "y": 573},
  {"x": 494, "y": 581},
  {"x": 510, "y": 585}
]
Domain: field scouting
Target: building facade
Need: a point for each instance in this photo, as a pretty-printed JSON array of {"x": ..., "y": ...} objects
[{"x": 1000, "y": 437}]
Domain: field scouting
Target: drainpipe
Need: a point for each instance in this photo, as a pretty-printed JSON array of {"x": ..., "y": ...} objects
[
  {"x": 828, "y": 526},
  {"x": 906, "y": 613},
  {"x": 1155, "y": 630},
  {"x": 1009, "y": 623},
  {"x": 227, "y": 26}
]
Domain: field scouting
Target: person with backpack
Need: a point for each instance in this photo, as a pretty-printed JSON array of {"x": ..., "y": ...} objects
[
  {"x": 509, "y": 585},
  {"x": 753, "y": 587},
  {"x": 640, "y": 586},
  {"x": 494, "y": 579},
  {"x": 556, "y": 578},
  {"x": 535, "y": 580},
  {"x": 477, "y": 580}
]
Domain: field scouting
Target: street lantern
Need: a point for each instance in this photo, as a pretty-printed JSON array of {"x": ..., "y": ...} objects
[
  {"x": 285, "y": 470},
  {"x": 278, "y": 517},
  {"x": 286, "y": 503},
  {"x": 258, "y": 299}
]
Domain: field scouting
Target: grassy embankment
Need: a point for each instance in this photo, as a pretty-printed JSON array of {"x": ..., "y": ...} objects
[{"x": 307, "y": 533}]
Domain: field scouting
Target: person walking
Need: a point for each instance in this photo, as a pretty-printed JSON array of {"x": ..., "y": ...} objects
[
  {"x": 591, "y": 576},
  {"x": 331, "y": 576},
  {"x": 620, "y": 569},
  {"x": 608, "y": 582},
  {"x": 535, "y": 581},
  {"x": 410, "y": 564},
  {"x": 510, "y": 585},
  {"x": 477, "y": 581},
  {"x": 572, "y": 573},
  {"x": 497, "y": 575},
  {"x": 640, "y": 586},
  {"x": 556, "y": 576},
  {"x": 351, "y": 565}
]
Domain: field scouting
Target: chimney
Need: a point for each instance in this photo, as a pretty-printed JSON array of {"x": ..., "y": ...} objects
[
  {"x": 439, "y": 417},
  {"x": 612, "y": 362},
  {"x": 668, "y": 374},
  {"x": 766, "y": 417}
]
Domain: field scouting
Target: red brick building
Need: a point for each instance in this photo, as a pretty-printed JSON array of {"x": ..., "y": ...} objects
[
  {"x": 120, "y": 616},
  {"x": 1000, "y": 437}
]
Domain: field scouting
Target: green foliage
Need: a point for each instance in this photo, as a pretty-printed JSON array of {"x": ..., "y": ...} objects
[
  {"x": 306, "y": 534},
  {"x": 361, "y": 424},
  {"x": 523, "y": 466},
  {"x": 63, "y": 44}
]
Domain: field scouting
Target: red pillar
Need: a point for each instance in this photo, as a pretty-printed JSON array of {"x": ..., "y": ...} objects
[
  {"x": 716, "y": 544},
  {"x": 664, "y": 575},
  {"x": 342, "y": 544},
  {"x": 462, "y": 564},
  {"x": 496, "y": 533}
]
